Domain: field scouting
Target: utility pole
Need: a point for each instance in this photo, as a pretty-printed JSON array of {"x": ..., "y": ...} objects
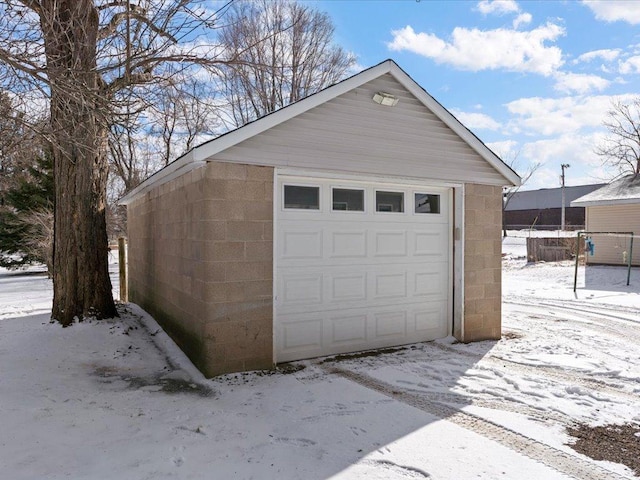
[{"x": 563, "y": 166}]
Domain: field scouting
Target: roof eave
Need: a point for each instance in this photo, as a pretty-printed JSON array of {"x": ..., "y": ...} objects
[
  {"x": 176, "y": 168},
  {"x": 599, "y": 203}
]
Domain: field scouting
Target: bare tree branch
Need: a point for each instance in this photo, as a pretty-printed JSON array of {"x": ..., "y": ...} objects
[
  {"x": 621, "y": 147},
  {"x": 120, "y": 17},
  {"x": 282, "y": 51}
]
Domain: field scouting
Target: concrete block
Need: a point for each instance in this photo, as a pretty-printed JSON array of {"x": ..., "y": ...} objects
[
  {"x": 238, "y": 271},
  {"x": 255, "y": 172},
  {"x": 258, "y": 210},
  {"x": 245, "y": 230},
  {"x": 258, "y": 251}
]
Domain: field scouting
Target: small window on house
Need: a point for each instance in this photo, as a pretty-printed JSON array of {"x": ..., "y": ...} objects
[
  {"x": 427, "y": 203},
  {"x": 348, "y": 200},
  {"x": 305, "y": 198},
  {"x": 389, "y": 201}
]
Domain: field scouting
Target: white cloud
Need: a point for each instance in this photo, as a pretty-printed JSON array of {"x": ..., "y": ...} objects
[
  {"x": 522, "y": 19},
  {"x": 615, "y": 10},
  {"x": 505, "y": 148},
  {"x": 473, "y": 49},
  {"x": 571, "y": 148},
  {"x": 508, "y": 151},
  {"x": 630, "y": 65},
  {"x": 605, "y": 54},
  {"x": 502, "y": 7},
  {"x": 499, "y": 7},
  {"x": 575, "y": 149},
  {"x": 581, "y": 83},
  {"x": 476, "y": 121},
  {"x": 560, "y": 116}
]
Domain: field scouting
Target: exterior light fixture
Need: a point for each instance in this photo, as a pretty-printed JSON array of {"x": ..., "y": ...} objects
[{"x": 386, "y": 99}]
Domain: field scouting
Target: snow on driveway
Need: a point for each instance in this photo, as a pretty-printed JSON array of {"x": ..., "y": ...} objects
[{"x": 116, "y": 399}]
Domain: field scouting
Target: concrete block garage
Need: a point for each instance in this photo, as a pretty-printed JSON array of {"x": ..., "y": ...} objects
[{"x": 363, "y": 216}]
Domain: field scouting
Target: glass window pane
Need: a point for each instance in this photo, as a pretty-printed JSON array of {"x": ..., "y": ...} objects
[
  {"x": 307, "y": 198},
  {"x": 389, "y": 202},
  {"x": 427, "y": 203},
  {"x": 348, "y": 200}
]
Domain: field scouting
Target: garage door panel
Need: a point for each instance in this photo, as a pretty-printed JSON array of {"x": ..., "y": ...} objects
[
  {"x": 330, "y": 333},
  {"x": 348, "y": 330},
  {"x": 347, "y": 244},
  {"x": 391, "y": 324},
  {"x": 430, "y": 283},
  {"x": 347, "y": 287},
  {"x": 347, "y": 282},
  {"x": 390, "y": 243},
  {"x": 390, "y": 285},
  {"x": 431, "y": 243},
  {"x": 318, "y": 288},
  {"x": 303, "y": 335},
  {"x": 301, "y": 245},
  {"x": 431, "y": 321},
  {"x": 305, "y": 289}
]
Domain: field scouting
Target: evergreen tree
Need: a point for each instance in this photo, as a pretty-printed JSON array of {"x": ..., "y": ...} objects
[{"x": 26, "y": 215}]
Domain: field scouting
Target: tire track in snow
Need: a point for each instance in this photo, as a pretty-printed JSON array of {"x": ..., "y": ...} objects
[
  {"x": 505, "y": 405},
  {"x": 628, "y": 327},
  {"x": 564, "y": 462},
  {"x": 575, "y": 377}
]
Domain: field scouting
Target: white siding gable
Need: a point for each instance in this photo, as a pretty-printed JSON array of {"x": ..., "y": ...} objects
[{"x": 351, "y": 133}]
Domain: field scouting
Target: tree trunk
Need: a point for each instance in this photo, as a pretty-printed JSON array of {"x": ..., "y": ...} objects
[{"x": 81, "y": 284}]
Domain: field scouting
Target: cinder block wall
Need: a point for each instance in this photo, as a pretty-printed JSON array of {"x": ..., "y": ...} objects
[
  {"x": 200, "y": 261},
  {"x": 238, "y": 325},
  {"x": 482, "y": 263}
]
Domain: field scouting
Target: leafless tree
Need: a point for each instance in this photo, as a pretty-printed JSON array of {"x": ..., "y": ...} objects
[
  {"x": 86, "y": 59},
  {"x": 287, "y": 53},
  {"x": 40, "y": 243},
  {"x": 17, "y": 143},
  {"x": 509, "y": 192},
  {"x": 182, "y": 116},
  {"x": 621, "y": 147}
]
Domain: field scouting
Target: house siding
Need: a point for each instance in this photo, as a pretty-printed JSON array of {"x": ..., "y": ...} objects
[
  {"x": 613, "y": 218},
  {"x": 352, "y": 134},
  {"x": 201, "y": 263},
  {"x": 482, "y": 263}
]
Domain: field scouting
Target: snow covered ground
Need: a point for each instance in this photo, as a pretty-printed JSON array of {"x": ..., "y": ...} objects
[{"x": 116, "y": 399}]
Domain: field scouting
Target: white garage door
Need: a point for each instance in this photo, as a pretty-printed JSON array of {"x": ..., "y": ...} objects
[{"x": 359, "y": 265}]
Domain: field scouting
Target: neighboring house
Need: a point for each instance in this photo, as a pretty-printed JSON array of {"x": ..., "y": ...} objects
[
  {"x": 613, "y": 208},
  {"x": 361, "y": 217},
  {"x": 543, "y": 208}
]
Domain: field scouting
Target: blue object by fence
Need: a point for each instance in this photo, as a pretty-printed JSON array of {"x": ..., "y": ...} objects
[{"x": 589, "y": 246}]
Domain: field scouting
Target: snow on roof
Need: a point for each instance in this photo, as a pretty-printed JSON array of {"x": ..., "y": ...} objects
[{"x": 625, "y": 190}]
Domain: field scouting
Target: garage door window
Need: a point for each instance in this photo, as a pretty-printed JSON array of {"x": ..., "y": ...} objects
[
  {"x": 348, "y": 200},
  {"x": 389, "y": 202},
  {"x": 300, "y": 197},
  {"x": 427, "y": 203}
]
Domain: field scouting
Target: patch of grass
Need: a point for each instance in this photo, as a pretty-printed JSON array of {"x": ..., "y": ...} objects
[
  {"x": 165, "y": 385},
  {"x": 169, "y": 385},
  {"x": 367, "y": 353},
  {"x": 289, "y": 368},
  {"x": 247, "y": 377},
  {"x": 612, "y": 443},
  {"x": 511, "y": 335}
]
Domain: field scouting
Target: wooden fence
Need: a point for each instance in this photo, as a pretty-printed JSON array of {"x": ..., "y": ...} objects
[{"x": 552, "y": 249}]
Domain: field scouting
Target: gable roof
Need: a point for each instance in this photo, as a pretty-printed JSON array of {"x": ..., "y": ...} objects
[
  {"x": 196, "y": 156},
  {"x": 625, "y": 190}
]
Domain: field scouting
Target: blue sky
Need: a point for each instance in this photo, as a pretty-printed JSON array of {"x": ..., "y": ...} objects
[{"x": 533, "y": 79}]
